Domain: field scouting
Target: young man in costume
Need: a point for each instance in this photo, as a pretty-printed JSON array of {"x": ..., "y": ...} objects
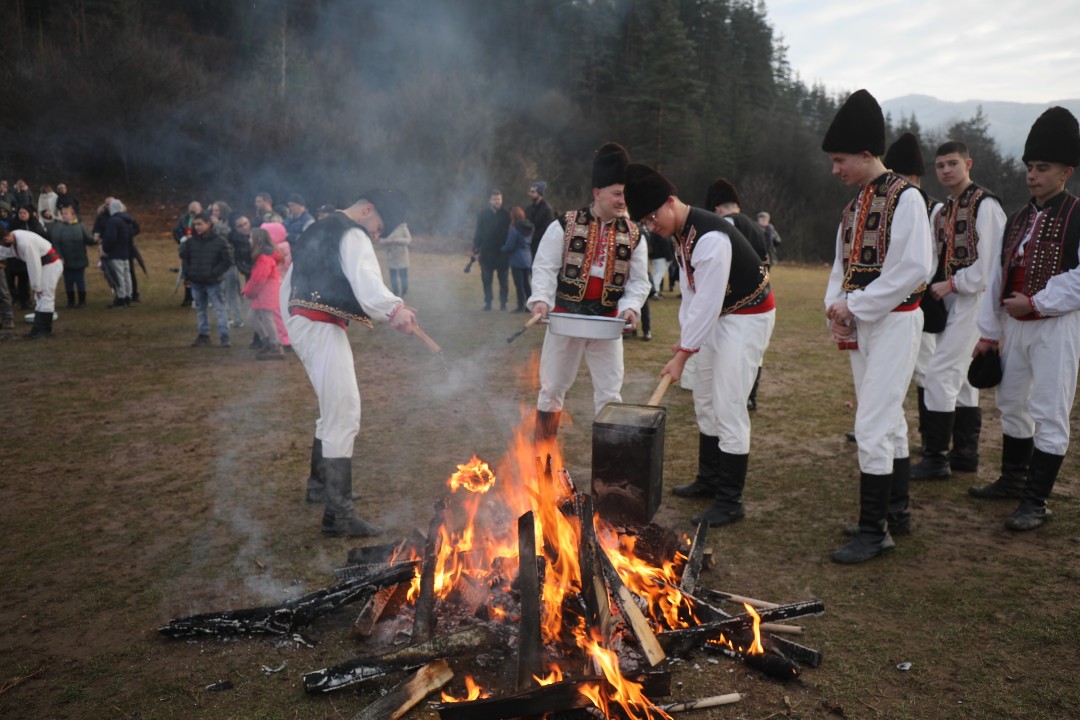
[
  {"x": 334, "y": 278},
  {"x": 967, "y": 236},
  {"x": 44, "y": 268},
  {"x": 726, "y": 318},
  {"x": 1031, "y": 310},
  {"x": 591, "y": 262},
  {"x": 884, "y": 255}
]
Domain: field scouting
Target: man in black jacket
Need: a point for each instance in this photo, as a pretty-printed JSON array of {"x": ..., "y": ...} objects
[
  {"x": 492, "y": 224},
  {"x": 539, "y": 213},
  {"x": 206, "y": 256}
]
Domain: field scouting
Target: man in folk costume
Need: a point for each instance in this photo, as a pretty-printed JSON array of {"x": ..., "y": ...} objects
[
  {"x": 726, "y": 319},
  {"x": 43, "y": 267},
  {"x": 334, "y": 278},
  {"x": 884, "y": 254},
  {"x": 590, "y": 262},
  {"x": 1031, "y": 310},
  {"x": 967, "y": 236}
]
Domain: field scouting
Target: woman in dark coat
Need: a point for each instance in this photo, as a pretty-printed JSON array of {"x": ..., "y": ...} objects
[{"x": 71, "y": 239}]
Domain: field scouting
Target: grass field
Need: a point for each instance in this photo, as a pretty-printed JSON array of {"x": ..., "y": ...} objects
[{"x": 142, "y": 479}]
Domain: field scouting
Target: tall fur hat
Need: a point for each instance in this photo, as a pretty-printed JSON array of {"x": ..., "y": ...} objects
[
  {"x": 609, "y": 165},
  {"x": 720, "y": 192},
  {"x": 646, "y": 190},
  {"x": 1055, "y": 137},
  {"x": 391, "y": 204},
  {"x": 859, "y": 125},
  {"x": 904, "y": 156}
]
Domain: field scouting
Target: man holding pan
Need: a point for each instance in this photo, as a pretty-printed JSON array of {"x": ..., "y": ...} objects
[
  {"x": 335, "y": 277},
  {"x": 726, "y": 318},
  {"x": 589, "y": 262}
]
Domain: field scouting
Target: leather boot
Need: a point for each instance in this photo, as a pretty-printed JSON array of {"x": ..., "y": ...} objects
[
  {"x": 1042, "y": 474},
  {"x": 316, "y": 486},
  {"x": 964, "y": 456},
  {"x": 82, "y": 299},
  {"x": 921, "y": 393},
  {"x": 728, "y": 506},
  {"x": 339, "y": 520},
  {"x": 873, "y": 538},
  {"x": 937, "y": 434},
  {"x": 899, "y": 516},
  {"x": 71, "y": 299},
  {"x": 547, "y": 425},
  {"x": 42, "y": 325},
  {"x": 1015, "y": 456},
  {"x": 708, "y": 473}
]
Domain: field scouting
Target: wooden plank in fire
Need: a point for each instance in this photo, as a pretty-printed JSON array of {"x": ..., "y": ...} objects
[
  {"x": 700, "y": 633},
  {"x": 405, "y": 695},
  {"x": 593, "y": 589},
  {"x": 530, "y": 644},
  {"x": 424, "y": 618},
  {"x": 374, "y": 608},
  {"x": 695, "y": 560},
  {"x": 467, "y": 642},
  {"x": 654, "y": 653}
]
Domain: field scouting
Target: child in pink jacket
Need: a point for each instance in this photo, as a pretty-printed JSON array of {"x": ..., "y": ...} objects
[{"x": 262, "y": 289}]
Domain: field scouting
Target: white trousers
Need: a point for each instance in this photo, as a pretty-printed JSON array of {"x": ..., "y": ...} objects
[
  {"x": 882, "y": 367},
  {"x": 327, "y": 356},
  {"x": 559, "y": 363},
  {"x": 726, "y": 367},
  {"x": 927, "y": 343},
  {"x": 1039, "y": 360},
  {"x": 50, "y": 275},
  {"x": 946, "y": 370}
]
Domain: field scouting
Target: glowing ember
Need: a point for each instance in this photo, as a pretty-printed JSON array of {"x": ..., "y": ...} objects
[
  {"x": 551, "y": 678},
  {"x": 472, "y": 692}
]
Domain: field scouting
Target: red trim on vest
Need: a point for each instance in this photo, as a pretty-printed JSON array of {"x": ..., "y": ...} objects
[
  {"x": 319, "y": 316},
  {"x": 764, "y": 306}
]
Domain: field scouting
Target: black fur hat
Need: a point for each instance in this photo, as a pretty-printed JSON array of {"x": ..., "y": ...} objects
[
  {"x": 720, "y": 192},
  {"x": 609, "y": 165},
  {"x": 859, "y": 125},
  {"x": 1054, "y": 137},
  {"x": 391, "y": 204},
  {"x": 646, "y": 190},
  {"x": 985, "y": 370},
  {"x": 904, "y": 156}
]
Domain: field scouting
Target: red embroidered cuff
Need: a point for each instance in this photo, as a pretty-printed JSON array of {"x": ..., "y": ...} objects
[
  {"x": 392, "y": 313},
  {"x": 988, "y": 340},
  {"x": 688, "y": 350},
  {"x": 1031, "y": 302},
  {"x": 952, "y": 284}
]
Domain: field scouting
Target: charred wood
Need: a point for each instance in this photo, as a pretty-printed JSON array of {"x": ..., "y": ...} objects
[
  {"x": 424, "y": 619},
  {"x": 635, "y": 619},
  {"x": 408, "y": 693},
  {"x": 530, "y": 645},
  {"x": 694, "y": 560},
  {"x": 676, "y": 638}
]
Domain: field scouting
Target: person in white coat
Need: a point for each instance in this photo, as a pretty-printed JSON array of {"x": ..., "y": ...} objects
[{"x": 43, "y": 268}]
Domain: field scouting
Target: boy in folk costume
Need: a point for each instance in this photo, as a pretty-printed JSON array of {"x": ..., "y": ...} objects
[
  {"x": 44, "y": 268},
  {"x": 967, "y": 235},
  {"x": 726, "y": 318},
  {"x": 1031, "y": 310},
  {"x": 884, "y": 255},
  {"x": 590, "y": 262}
]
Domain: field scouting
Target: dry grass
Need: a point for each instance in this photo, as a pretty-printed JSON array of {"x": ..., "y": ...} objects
[{"x": 143, "y": 479}]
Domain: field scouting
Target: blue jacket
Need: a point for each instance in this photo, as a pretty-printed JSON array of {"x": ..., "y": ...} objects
[{"x": 519, "y": 244}]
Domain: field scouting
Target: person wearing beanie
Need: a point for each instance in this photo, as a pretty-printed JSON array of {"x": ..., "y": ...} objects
[
  {"x": 1031, "y": 312},
  {"x": 298, "y": 218},
  {"x": 590, "y": 262},
  {"x": 726, "y": 319},
  {"x": 116, "y": 245},
  {"x": 884, "y": 255},
  {"x": 43, "y": 267},
  {"x": 967, "y": 236},
  {"x": 334, "y": 278},
  {"x": 539, "y": 212}
]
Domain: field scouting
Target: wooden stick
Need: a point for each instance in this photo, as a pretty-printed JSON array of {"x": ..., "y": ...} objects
[
  {"x": 532, "y": 321},
  {"x": 782, "y": 629},
  {"x": 708, "y": 702},
  {"x": 658, "y": 393},
  {"x": 407, "y": 694},
  {"x": 432, "y": 345},
  {"x": 721, "y": 595},
  {"x": 650, "y": 644}
]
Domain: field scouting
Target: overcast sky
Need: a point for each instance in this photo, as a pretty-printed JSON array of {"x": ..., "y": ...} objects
[{"x": 1020, "y": 50}]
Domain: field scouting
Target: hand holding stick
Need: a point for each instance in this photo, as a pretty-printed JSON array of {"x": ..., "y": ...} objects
[{"x": 658, "y": 393}]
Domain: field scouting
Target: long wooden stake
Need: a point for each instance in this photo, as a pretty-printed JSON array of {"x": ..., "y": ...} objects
[
  {"x": 708, "y": 702},
  {"x": 407, "y": 694}
]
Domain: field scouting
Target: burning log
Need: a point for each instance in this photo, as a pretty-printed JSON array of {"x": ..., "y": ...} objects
[
  {"x": 634, "y": 617},
  {"x": 373, "y": 609},
  {"x": 286, "y": 618},
  {"x": 701, "y": 633},
  {"x": 694, "y": 560},
  {"x": 799, "y": 653},
  {"x": 772, "y": 662},
  {"x": 408, "y": 693},
  {"x": 530, "y": 646},
  {"x": 357, "y": 670},
  {"x": 424, "y": 619},
  {"x": 719, "y": 595}
]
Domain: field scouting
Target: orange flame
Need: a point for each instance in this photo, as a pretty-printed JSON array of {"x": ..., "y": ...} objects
[
  {"x": 626, "y": 693},
  {"x": 551, "y": 678},
  {"x": 472, "y": 692},
  {"x": 756, "y": 648}
]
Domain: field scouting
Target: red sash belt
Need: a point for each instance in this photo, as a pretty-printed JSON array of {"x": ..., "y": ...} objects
[
  {"x": 319, "y": 316},
  {"x": 50, "y": 257}
]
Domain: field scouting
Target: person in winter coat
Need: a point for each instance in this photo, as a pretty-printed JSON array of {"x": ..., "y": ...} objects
[
  {"x": 70, "y": 238},
  {"x": 46, "y": 204},
  {"x": 283, "y": 256},
  {"x": 518, "y": 247},
  {"x": 117, "y": 245},
  {"x": 397, "y": 257},
  {"x": 206, "y": 257},
  {"x": 262, "y": 289}
]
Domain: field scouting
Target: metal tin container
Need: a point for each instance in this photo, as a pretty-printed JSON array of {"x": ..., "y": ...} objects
[{"x": 592, "y": 327}]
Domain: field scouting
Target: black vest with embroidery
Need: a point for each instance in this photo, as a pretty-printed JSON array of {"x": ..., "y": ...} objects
[
  {"x": 581, "y": 243},
  {"x": 1053, "y": 247},
  {"x": 866, "y": 232},
  {"x": 955, "y": 235},
  {"x": 318, "y": 282},
  {"x": 748, "y": 278}
]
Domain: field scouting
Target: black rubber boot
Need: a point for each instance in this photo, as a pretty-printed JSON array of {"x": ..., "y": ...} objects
[
  {"x": 42, "y": 326},
  {"x": 82, "y": 299},
  {"x": 964, "y": 456},
  {"x": 316, "y": 486},
  {"x": 921, "y": 393},
  {"x": 1015, "y": 456},
  {"x": 339, "y": 520},
  {"x": 71, "y": 299},
  {"x": 1042, "y": 474},
  {"x": 708, "y": 473},
  {"x": 873, "y": 538},
  {"x": 937, "y": 434},
  {"x": 899, "y": 515},
  {"x": 547, "y": 425},
  {"x": 728, "y": 505}
]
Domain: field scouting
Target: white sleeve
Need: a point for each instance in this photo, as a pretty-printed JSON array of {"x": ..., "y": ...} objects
[
  {"x": 29, "y": 253},
  {"x": 907, "y": 265},
  {"x": 1061, "y": 294},
  {"x": 545, "y": 267},
  {"x": 700, "y": 309},
  {"x": 361, "y": 267},
  {"x": 990, "y": 226},
  {"x": 833, "y": 291},
  {"x": 638, "y": 284}
]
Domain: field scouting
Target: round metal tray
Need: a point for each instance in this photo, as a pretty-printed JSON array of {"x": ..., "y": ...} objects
[{"x": 591, "y": 327}]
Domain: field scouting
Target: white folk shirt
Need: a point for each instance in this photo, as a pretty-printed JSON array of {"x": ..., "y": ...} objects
[
  {"x": 29, "y": 247},
  {"x": 701, "y": 307}
]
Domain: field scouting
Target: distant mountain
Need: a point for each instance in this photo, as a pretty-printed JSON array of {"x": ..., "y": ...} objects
[{"x": 1009, "y": 121}]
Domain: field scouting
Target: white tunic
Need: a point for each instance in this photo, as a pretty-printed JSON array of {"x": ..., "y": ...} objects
[{"x": 30, "y": 248}]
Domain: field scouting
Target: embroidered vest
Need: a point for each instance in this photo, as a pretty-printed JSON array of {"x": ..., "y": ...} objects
[
  {"x": 1052, "y": 248},
  {"x": 581, "y": 243},
  {"x": 955, "y": 234},
  {"x": 748, "y": 279},
  {"x": 866, "y": 231},
  {"x": 318, "y": 282}
]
